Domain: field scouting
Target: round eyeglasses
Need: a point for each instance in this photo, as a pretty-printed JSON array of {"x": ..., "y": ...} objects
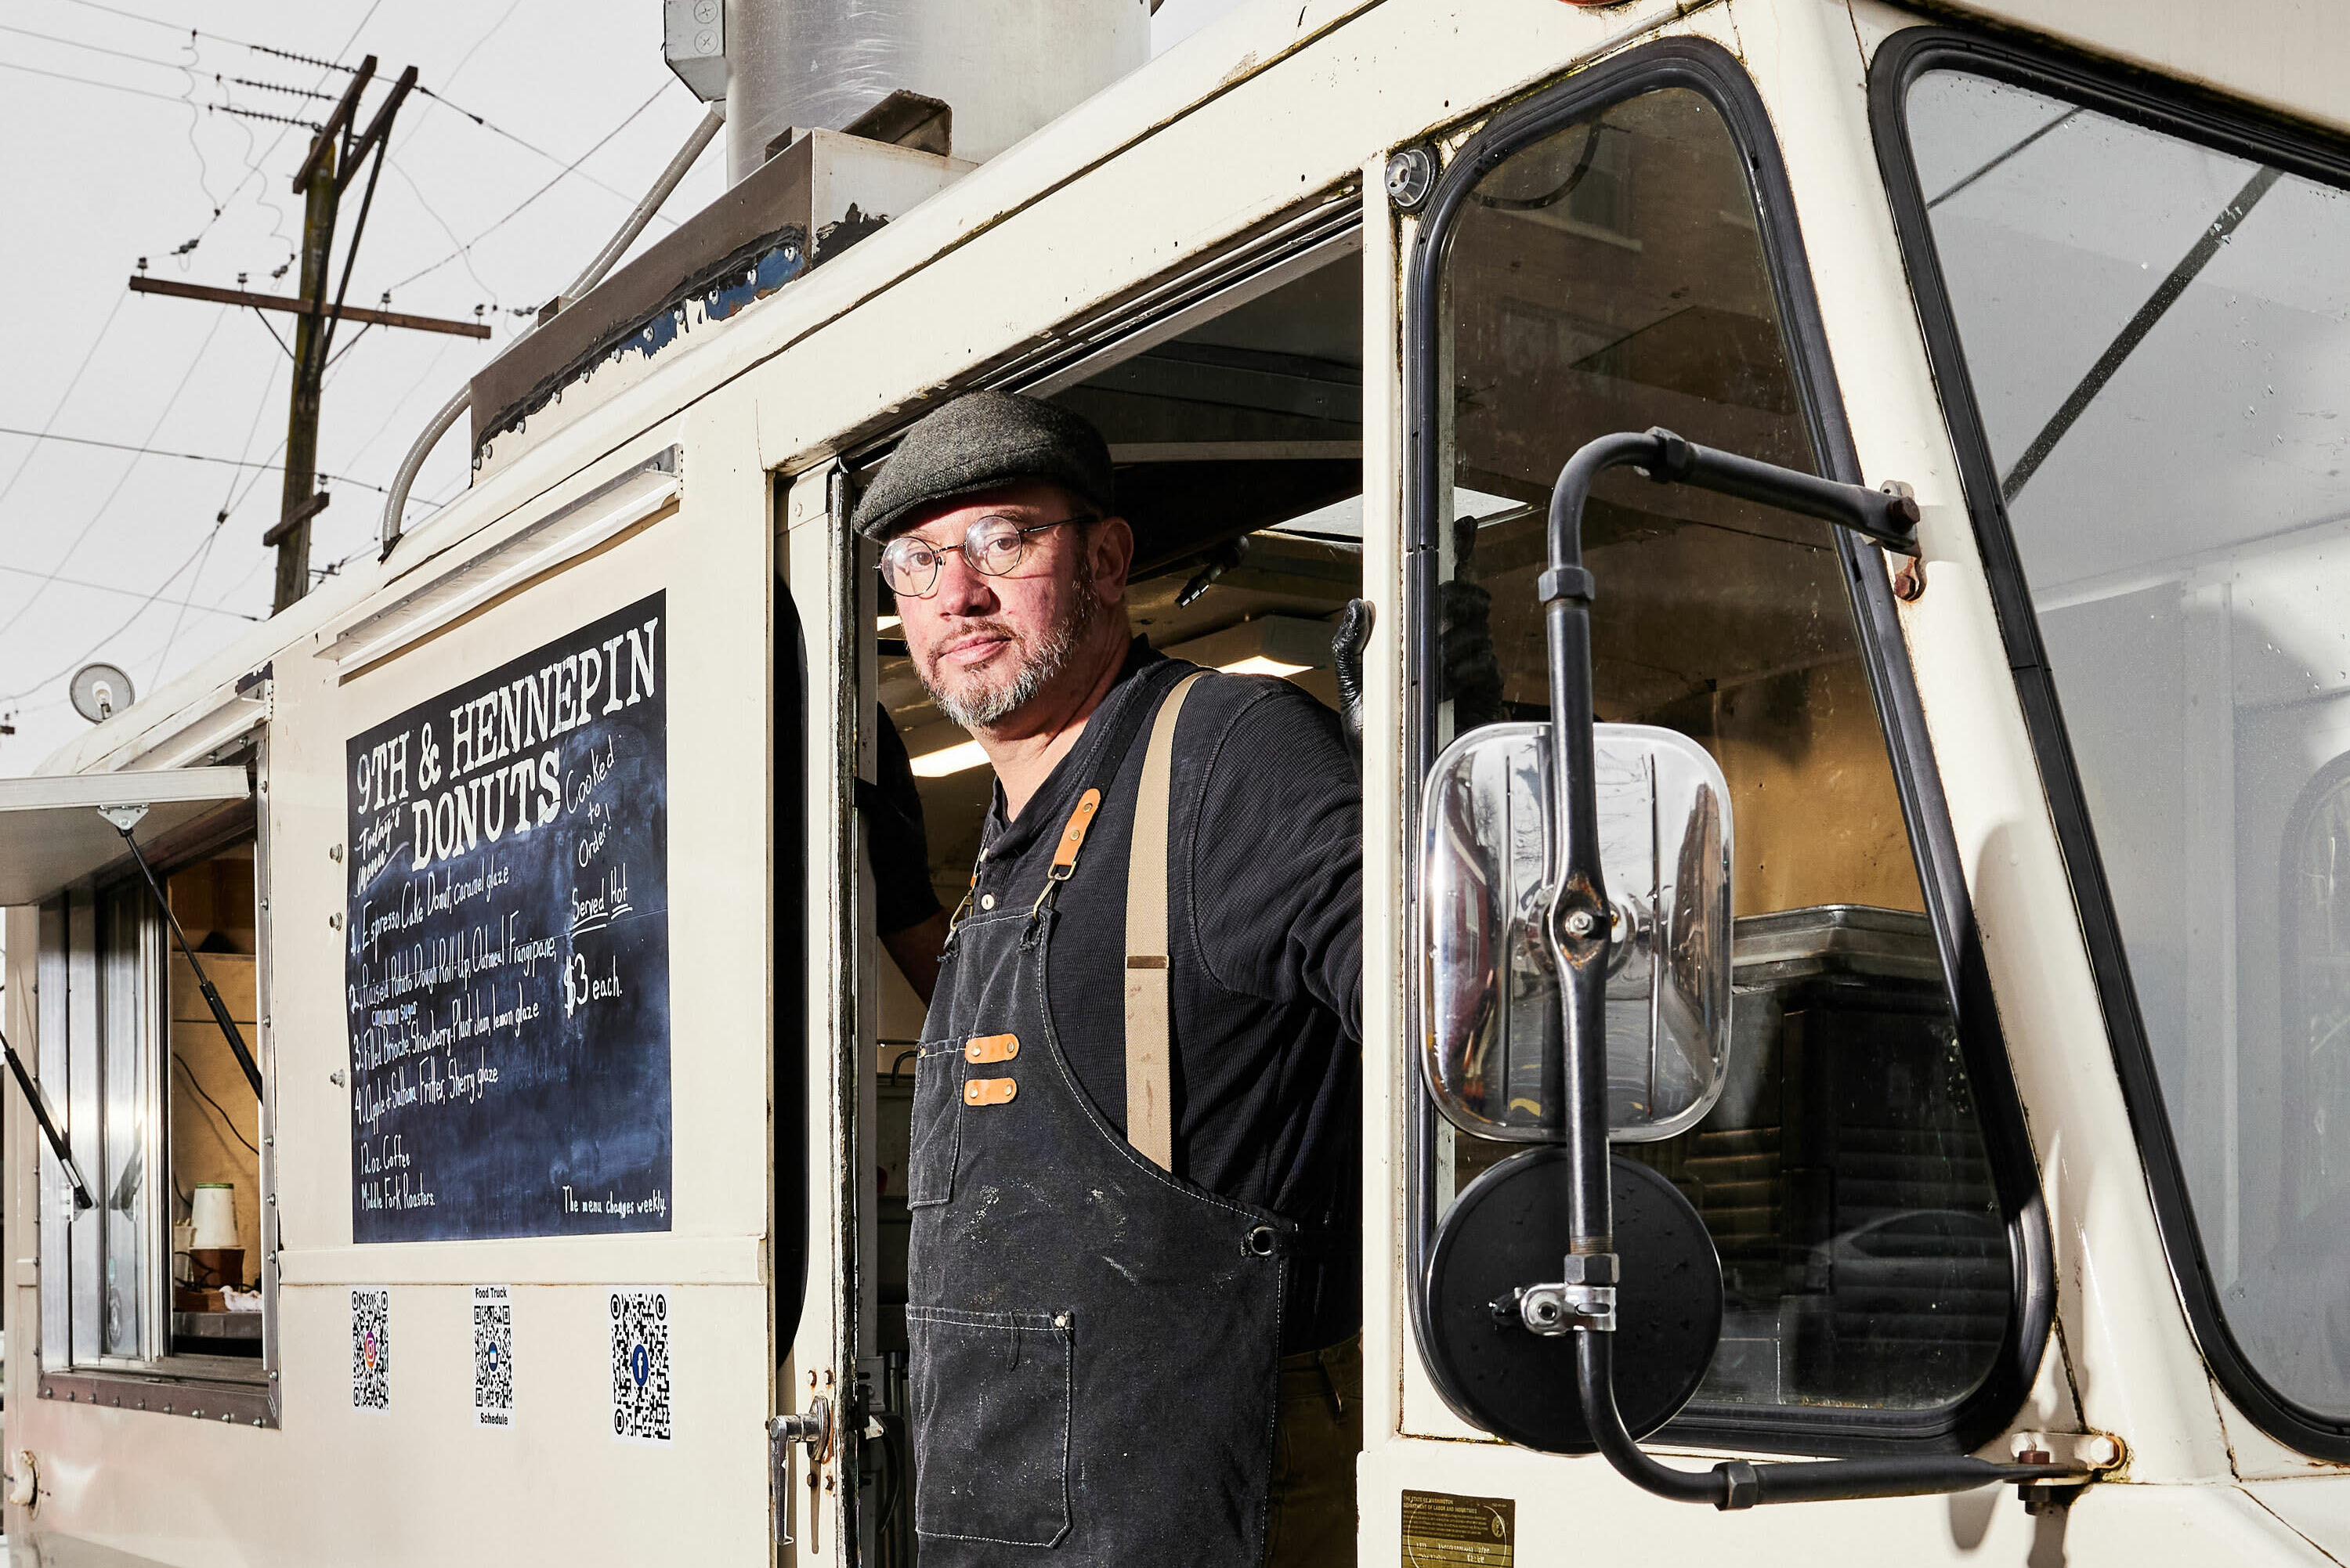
[{"x": 992, "y": 544}]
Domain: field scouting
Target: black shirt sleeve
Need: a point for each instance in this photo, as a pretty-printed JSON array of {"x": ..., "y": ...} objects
[
  {"x": 900, "y": 845},
  {"x": 1282, "y": 795}
]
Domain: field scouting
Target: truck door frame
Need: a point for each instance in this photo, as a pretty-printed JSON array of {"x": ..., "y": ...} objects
[
  {"x": 1699, "y": 65},
  {"x": 840, "y": 682}
]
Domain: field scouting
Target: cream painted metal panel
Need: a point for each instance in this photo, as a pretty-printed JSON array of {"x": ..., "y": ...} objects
[
  {"x": 1579, "y": 1511},
  {"x": 51, "y": 833},
  {"x": 301, "y": 1495},
  {"x": 2285, "y": 54},
  {"x": 823, "y": 1349},
  {"x": 2139, "y": 1374}
]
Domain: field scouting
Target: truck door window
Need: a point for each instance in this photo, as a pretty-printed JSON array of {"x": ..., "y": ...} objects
[
  {"x": 1843, "y": 1175},
  {"x": 2154, "y": 334}
]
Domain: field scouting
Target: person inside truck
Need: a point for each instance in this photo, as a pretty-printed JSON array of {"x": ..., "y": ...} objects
[{"x": 1134, "y": 1312}]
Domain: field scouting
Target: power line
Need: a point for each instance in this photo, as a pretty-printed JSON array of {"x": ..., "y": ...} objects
[
  {"x": 135, "y": 16},
  {"x": 281, "y": 87},
  {"x": 228, "y": 504},
  {"x": 103, "y": 328},
  {"x": 161, "y": 452},
  {"x": 434, "y": 214},
  {"x": 126, "y": 593},
  {"x": 496, "y": 130},
  {"x": 96, "y": 48},
  {"x": 487, "y": 34},
  {"x": 260, "y": 114},
  {"x": 149, "y": 602},
  {"x": 542, "y": 191},
  {"x": 124, "y": 477},
  {"x": 93, "y": 81},
  {"x": 310, "y": 59}
]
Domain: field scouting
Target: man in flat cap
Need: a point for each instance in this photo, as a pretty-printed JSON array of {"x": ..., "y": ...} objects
[{"x": 1134, "y": 1281}]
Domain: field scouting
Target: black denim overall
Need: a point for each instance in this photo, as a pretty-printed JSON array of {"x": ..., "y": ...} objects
[{"x": 1095, "y": 1342}]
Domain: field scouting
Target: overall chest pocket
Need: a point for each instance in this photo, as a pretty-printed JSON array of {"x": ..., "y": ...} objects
[
  {"x": 938, "y": 1123},
  {"x": 992, "y": 1397}
]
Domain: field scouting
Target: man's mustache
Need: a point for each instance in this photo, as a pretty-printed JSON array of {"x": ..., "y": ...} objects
[{"x": 994, "y": 626}]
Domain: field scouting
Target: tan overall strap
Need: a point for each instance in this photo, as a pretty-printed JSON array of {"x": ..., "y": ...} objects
[{"x": 1148, "y": 1027}]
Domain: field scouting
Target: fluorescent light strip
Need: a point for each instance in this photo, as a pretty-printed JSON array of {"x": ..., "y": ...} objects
[
  {"x": 953, "y": 760},
  {"x": 1262, "y": 664},
  {"x": 888, "y": 623}
]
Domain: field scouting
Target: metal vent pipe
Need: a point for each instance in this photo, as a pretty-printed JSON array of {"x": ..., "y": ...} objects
[{"x": 1004, "y": 66}]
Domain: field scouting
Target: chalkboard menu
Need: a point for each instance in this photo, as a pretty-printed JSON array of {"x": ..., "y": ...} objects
[{"x": 507, "y": 964}]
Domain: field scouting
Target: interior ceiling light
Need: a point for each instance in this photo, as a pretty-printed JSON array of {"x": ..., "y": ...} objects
[
  {"x": 1261, "y": 664},
  {"x": 887, "y": 623},
  {"x": 952, "y": 760}
]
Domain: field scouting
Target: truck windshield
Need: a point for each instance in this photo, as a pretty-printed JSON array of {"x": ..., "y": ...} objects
[{"x": 2158, "y": 337}]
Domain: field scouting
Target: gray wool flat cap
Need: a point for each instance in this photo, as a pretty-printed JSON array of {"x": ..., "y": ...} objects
[{"x": 980, "y": 440}]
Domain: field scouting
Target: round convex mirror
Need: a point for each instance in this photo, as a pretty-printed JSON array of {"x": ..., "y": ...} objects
[{"x": 1509, "y": 1229}]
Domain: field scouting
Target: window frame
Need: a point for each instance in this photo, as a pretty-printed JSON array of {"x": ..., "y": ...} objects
[
  {"x": 2204, "y": 120},
  {"x": 208, "y": 1388},
  {"x": 1706, "y": 67}
]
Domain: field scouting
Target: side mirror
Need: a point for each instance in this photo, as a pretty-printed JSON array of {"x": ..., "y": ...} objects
[{"x": 1488, "y": 869}]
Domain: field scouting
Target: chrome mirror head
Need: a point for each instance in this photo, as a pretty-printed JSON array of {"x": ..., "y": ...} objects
[{"x": 1491, "y": 1026}]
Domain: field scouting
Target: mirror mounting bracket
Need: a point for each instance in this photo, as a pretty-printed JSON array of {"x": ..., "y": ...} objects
[{"x": 1889, "y": 517}]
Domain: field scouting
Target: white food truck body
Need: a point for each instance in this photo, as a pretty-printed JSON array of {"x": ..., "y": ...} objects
[{"x": 713, "y": 468}]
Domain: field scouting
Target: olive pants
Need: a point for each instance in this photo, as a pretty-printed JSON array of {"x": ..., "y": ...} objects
[{"x": 1320, "y": 1432}]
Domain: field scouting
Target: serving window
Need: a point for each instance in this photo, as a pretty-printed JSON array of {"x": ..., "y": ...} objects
[{"x": 155, "y": 1297}]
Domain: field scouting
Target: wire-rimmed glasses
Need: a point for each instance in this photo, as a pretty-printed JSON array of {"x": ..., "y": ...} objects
[{"x": 993, "y": 546}]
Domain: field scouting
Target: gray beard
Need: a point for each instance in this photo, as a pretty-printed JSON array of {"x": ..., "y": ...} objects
[{"x": 981, "y": 706}]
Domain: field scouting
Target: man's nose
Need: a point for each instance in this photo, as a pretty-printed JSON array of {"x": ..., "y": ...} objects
[{"x": 961, "y": 590}]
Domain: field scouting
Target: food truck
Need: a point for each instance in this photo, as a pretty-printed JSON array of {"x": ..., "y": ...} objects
[{"x": 1856, "y": 1046}]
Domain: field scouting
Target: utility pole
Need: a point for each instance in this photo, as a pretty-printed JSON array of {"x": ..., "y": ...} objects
[
  {"x": 292, "y": 533},
  {"x": 334, "y": 157}
]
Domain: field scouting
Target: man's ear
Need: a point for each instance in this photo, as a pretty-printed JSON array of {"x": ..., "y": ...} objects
[{"x": 1109, "y": 552}]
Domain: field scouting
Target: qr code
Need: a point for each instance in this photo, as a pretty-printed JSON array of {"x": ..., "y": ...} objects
[
  {"x": 494, "y": 1391},
  {"x": 371, "y": 1349},
  {"x": 640, "y": 1386}
]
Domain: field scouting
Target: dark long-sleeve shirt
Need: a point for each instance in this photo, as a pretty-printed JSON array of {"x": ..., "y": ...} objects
[{"x": 1264, "y": 856}]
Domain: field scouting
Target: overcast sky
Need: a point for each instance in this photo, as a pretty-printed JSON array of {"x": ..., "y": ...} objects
[{"x": 116, "y": 147}]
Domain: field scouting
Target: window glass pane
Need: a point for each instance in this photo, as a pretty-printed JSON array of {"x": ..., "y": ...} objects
[
  {"x": 211, "y": 1120},
  {"x": 2159, "y": 337},
  {"x": 1610, "y": 278},
  {"x": 54, "y": 985},
  {"x": 124, "y": 1030},
  {"x": 85, "y": 1123}
]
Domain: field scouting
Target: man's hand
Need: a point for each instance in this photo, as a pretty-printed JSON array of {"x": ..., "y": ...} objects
[
  {"x": 1347, "y": 645},
  {"x": 1468, "y": 670}
]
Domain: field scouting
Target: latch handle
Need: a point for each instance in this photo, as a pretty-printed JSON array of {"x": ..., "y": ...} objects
[{"x": 812, "y": 1427}]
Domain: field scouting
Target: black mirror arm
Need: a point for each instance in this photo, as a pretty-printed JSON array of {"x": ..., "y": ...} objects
[{"x": 1578, "y": 939}]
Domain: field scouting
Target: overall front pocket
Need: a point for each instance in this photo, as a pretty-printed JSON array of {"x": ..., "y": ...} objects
[
  {"x": 938, "y": 1123},
  {"x": 992, "y": 1395}
]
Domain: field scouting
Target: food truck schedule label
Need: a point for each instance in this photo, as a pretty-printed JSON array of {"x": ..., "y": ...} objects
[{"x": 507, "y": 967}]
